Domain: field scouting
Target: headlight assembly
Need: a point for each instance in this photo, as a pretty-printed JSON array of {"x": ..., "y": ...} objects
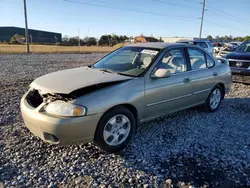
[{"x": 62, "y": 108}]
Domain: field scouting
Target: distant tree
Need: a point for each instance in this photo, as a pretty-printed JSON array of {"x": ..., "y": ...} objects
[
  {"x": 230, "y": 37},
  {"x": 240, "y": 39},
  {"x": 209, "y": 37},
  {"x": 123, "y": 38},
  {"x": 104, "y": 40},
  {"x": 65, "y": 40},
  {"x": 73, "y": 41},
  {"x": 160, "y": 40},
  {"x": 17, "y": 39},
  {"x": 114, "y": 40},
  {"x": 89, "y": 41},
  {"x": 151, "y": 39},
  {"x": 111, "y": 40},
  {"x": 246, "y": 38}
]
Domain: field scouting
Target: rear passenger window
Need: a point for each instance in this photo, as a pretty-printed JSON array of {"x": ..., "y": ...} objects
[
  {"x": 197, "y": 59},
  {"x": 173, "y": 61},
  {"x": 210, "y": 61}
]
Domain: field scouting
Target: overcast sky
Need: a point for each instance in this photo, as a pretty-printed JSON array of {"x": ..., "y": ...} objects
[{"x": 130, "y": 17}]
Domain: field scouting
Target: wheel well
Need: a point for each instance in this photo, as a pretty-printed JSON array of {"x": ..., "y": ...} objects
[
  {"x": 223, "y": 88},
  {"x": 129, "y": 107}
]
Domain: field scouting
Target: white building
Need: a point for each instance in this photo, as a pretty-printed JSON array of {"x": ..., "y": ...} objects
[{"x": 175, "y": 39}]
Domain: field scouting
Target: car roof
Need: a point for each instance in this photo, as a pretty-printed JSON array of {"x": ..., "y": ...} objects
[
  {"x": 198, "y": 40},
  {"x": 235, "y": 42},
  {"x": 156, "y": 45}
]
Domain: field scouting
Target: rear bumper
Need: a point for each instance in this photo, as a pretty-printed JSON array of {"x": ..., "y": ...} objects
[{"x": 58, "y": 130}]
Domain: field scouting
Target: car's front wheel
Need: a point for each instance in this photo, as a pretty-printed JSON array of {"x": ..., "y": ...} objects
[
  {"x": 115, "y": 129},
  {"x": 214, "y": 99}
]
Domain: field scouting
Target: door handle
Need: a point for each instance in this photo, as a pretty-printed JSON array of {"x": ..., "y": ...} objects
[
  {"x": 215, "y": 74},
  {"x": 186, "y": 80}
]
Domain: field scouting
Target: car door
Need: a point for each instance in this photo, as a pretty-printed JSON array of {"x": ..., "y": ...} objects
[
  {"x": 203, "y": 74},
  {"x": 168, "y": 94}
]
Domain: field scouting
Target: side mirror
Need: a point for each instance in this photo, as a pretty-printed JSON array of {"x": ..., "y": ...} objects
[
  {"x": 161, "y": 73},
  {"x": 222, "y": 60}
]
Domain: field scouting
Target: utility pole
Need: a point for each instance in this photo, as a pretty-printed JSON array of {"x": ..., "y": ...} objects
[
  {"x": 26, "y": 28},
  {"x": 202, "y": 16}
]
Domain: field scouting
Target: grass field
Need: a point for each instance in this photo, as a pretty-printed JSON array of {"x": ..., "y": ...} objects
[{"x": 14, "y": 49}]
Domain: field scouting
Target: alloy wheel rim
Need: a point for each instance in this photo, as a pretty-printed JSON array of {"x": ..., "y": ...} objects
[
  {"x": 215, "y": 99},
  {"x": 116, "y": 130}
]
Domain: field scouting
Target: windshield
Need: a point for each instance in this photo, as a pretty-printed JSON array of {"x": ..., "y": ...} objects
[
  {"x": 244, "y": 47},
  {"x": 130, "y": 61}
]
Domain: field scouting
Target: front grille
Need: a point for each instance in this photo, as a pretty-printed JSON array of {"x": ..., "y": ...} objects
[
  {"x": 34, "y": 98},
  {"x": 239, "y": 63}
]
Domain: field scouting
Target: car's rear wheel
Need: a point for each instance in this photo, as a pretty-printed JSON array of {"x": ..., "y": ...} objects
[
  {"x": 115, "y": 129},
  {"x": 214, "y": 99}
]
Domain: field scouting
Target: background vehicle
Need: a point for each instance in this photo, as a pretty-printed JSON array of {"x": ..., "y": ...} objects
[
  {"x": 239, "y": 61},
  {"x": 136, "y": 83},
  {"x": 236, "y": 44},
  {"x": 206, "y": 44},
  {"x": 217, "y": 47},
  {"x": 228, "y": 47}
]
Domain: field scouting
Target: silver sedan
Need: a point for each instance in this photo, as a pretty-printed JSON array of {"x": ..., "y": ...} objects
[{"x": 105, "y": 102}]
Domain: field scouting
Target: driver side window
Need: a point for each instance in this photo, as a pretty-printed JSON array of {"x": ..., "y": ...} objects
[{"x": 173, "y": 61}]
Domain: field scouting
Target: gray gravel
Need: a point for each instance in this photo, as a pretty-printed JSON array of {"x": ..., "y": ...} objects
[{"x": 186, "y": 149}]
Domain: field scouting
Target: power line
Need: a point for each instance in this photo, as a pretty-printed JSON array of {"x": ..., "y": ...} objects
[
  {"x": 190, "y": 1},
  {"x": 131, "y": 10},
  {"x": 228, "y": 16},
  {"x": 175, "y": 4},
  {"x": 104, "y": 2},
  {"x": 224, "y": 26},
  {"x": 110, "y": 6},
  {"x": 221, "y": 12}
]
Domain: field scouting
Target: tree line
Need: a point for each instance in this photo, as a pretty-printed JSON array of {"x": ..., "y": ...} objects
[
  {"x": 111, "y": 40},
  {"x": 105, "y": 40},
  {"x": 228, "y": 38}
]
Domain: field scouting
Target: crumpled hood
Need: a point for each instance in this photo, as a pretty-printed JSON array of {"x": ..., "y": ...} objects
[{"x": 69, "y": 80}]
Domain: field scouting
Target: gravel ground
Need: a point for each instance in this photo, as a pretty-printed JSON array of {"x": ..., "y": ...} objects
[{"x": 186, "y": 149}]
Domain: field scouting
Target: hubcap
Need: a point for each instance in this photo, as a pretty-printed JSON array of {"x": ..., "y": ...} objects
[
  {"x": 215, "y": 99},
  {"x": 116, "y": 130}
]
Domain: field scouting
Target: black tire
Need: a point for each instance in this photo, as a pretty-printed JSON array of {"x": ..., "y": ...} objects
[
  {"x": 99, "y": 138},
  {"x": 207, "y": 105}
]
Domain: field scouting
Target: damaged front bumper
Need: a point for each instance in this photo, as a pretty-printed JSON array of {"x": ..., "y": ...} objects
[{"x": 58, "y": 130}]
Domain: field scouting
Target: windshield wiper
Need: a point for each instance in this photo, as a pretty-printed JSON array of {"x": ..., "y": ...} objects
[
  {"x": 123, "y": 74},
  {"x": 106, "y": 70}
]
